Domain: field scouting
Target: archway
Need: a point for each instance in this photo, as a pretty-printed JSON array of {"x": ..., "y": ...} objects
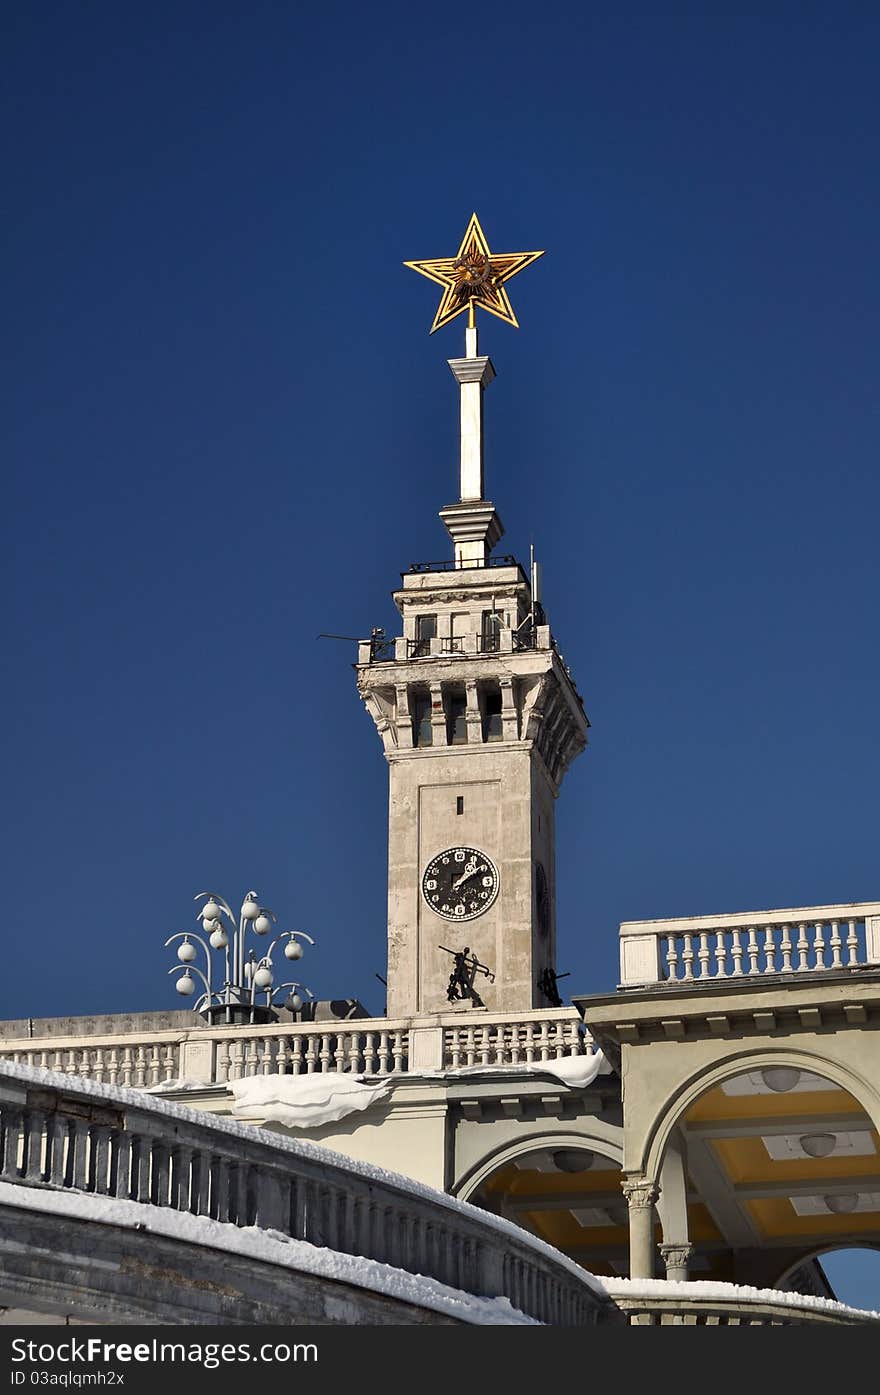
[
  {"x": 782, "y": 1161},
  {"x": 564, "y": 1188}
]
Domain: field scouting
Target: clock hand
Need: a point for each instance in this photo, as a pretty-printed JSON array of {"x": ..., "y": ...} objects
[{"x": 469, "y": 871}]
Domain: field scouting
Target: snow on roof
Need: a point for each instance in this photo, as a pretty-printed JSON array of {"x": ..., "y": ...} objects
[
  {"x": 298, "y": 1147},
  {"x": 271, "y": 1247},
  {"x": 711, "y": 1291},
  {"x": 305, "y": 1101}
]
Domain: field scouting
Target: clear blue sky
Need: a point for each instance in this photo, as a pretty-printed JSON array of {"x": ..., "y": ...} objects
[{"x": 227, "y": 429}]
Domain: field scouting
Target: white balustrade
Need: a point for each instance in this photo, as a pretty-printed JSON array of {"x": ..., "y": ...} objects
[
  {"x": 364, "y": 1046},
  {"x": 808, "y": 939}
]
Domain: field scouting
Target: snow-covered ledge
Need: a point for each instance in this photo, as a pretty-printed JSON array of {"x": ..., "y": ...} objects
[{"x": 659, "y": 1302}]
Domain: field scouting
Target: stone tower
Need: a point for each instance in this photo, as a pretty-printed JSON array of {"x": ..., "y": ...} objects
[{"x": 479, "y": 719}]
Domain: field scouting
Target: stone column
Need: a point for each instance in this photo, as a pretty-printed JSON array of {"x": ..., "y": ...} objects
[
  {"x": 676, "y": 1257},
  {"x": 641, "y": 1194}
]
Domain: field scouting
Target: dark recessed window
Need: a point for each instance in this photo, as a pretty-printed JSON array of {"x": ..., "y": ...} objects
[
  {"x": 420, "y": 707},
  {"x": 459, "y": 804},
  {"x": 456, "y": 718},
  {"x": 492, "y": 730},
  {"x": 426, "y": 630},
  {"x": 492, "y": 623}
]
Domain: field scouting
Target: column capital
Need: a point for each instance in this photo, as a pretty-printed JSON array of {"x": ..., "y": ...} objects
[
  {"x": 640, "y": 1193},
  {"x": 676, "y": 1255}
]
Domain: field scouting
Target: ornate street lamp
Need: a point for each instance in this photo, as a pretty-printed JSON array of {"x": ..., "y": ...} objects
[{"x": 246, "y": 974}]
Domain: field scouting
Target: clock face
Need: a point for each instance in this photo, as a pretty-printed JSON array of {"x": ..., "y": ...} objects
[{"x": 460, "y": 883}]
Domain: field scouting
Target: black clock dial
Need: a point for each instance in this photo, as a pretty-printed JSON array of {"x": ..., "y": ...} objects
[{"x": 460, "y": 883}]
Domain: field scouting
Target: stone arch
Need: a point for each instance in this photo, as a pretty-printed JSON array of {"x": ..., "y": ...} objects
[
  {"x": 676, "y": 1105},
  {"x": 597, "y": 1137},
  {"x": 856, "y": 1242}
]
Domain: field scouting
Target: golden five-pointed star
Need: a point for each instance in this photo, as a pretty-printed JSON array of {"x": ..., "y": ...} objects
[{"x": 474, "y": 277}]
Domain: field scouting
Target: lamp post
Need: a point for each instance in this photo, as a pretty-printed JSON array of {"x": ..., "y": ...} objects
[{"x": 246, "y": 973}]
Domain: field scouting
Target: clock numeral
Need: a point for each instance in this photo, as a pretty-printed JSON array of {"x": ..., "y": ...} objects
[
  {"x": 459, "y": 856},
  {"x": 459, "y": 910},
  {"x": 487, "y": 881},
  {"x": 431, "y": 884}
]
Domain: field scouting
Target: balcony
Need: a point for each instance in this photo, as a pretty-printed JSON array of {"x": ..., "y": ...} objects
[{"x": 802, "y": 941}]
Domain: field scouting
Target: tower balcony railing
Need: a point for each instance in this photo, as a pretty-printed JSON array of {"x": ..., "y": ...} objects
[
  {"x": 365, "y": 1046},
  {"x": 379, "y": 650},
  {"x": 464, "y": 564},
  {"x": 753, "y": 944}
]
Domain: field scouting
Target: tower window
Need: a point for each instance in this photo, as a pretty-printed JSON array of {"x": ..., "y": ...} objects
[
  {"x": 426, "y": 630},
  {"x": 420, "y": 707},
  {"x": 459, "y": 804},
  {"x": 492, "y": 728},
  {"x": 491, "y": 632},
  {"x": 456, "y": 717}
]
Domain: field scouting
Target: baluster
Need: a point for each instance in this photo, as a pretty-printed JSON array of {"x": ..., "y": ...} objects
[
  {"x": 385, "y": 1052},
  {"x": 282, "y": 1055},
  {"x": 113, "y": 1066},
  {"x": 470, "y": 1052},
  {"x": 852, "y": 943},
  {"x": 786, "y": 948},
  {"x": 98, "y": 1073},
  {"x": 127, "y": 1066},
  {"x": 370, "y": 1065},
  {"x": 339, "y": 1052},
  {"x": 200, "y": 1172},
  {"x": 221, "y": 1189},
  {"x": 736, "y": 951},
  {"x": 252, "y": 1059},
  {"x": 85, "y": 1063},
  {"x": 99, "y": 1160},
  {"x": 324, "y": 1053},
  {"x": 298, "y": 1052},
  {"x": 753, "y": 950},
  {"x": 56, "y": 1149},
  {"x": 32, "y": 1161},
  {"x": 12, "y": 1135},
  {"x": 236, "y": 1060},
  {"x": 720, "y": 955},
  {"x": 224, "y": 1062},
  {"x": 181, "y": 1157},
  {"x": 140, "y": 1168},
  {"x": 160, "y": 1173},
  {"x": 819, "y": 945},
  {"x": 354, "y": 1053},
  {"x": 78, "y": 1157},
  {"x": 120, "y": 1164},
  {"x": 769, "y": 950},
  {"x": 267, "y": 1060},
  {"x": 170, "y": 1064},
  {"x": 529, "y": 1041},
  {"x": 155, "y": 1066},
  {"x": 835, "y": 944},
  {"x": 704, "y": 954},
  {"x": 140, "y": 1069},
  {"x": 672, "y": 957},
  {"x": 484, "y": 1047},
  {"x": 687, "y": 956},
  {"x": 399, "y": 1049},
  {"x": 242, "y": 1199},
  {"x": 803, "y": 947}
]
